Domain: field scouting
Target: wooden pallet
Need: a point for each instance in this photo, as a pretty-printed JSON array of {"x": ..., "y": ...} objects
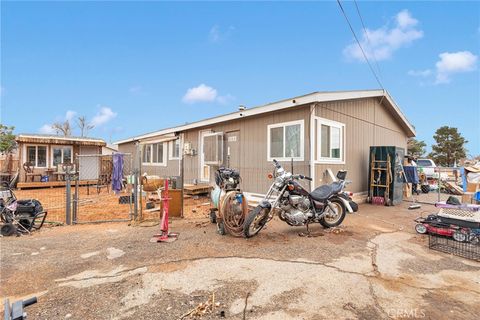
[{"x": 196, "y": 189}]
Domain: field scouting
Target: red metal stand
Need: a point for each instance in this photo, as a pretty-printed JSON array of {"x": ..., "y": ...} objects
[{"x": 164, "y": 236}]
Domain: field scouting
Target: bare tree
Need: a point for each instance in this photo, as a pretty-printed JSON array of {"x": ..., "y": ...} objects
[
  {"x": 63, "y": 128},
  {"x": 84, "y": 126}
]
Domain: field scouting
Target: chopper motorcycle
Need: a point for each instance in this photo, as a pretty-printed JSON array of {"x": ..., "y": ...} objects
[{"x": 295, "y": 205}]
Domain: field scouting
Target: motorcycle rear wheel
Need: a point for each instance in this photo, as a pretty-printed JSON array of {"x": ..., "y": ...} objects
[
  {"x": 255, "y": 221},
  {"x": 330, "y": 222}
]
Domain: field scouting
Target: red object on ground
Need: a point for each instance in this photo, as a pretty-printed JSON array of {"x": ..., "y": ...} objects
[
  {"x": 165, "y": 236},
  {"x": 438, "y": 230}
]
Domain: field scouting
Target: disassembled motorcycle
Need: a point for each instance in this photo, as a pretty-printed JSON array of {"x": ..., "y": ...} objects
[{"x": 229, "y": 202}]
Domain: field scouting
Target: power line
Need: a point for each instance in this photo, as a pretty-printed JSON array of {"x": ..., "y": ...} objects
[
  {"x": 359, "y": 45},
  {"x": 368, "y": 39}
]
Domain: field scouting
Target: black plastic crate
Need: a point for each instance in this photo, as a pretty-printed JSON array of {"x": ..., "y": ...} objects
[{"x": 469, "y": 250}]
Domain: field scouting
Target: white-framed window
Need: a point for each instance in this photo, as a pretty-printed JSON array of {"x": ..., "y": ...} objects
[
  {"x": 174, "y": 149},
  {"x": 61, "y": 154},
  {"x": 36, "y": 155},
  {"x": 155, "y": 154},
  {"x": 286, "y": 141},
  {"x": 330, "y": 141}
]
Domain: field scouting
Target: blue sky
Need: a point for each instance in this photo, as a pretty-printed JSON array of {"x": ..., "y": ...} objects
[{"x": 134, "y": 67}]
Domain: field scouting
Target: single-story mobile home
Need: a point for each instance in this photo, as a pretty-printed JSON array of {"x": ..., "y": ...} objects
[{"x": 315, "y": 132}]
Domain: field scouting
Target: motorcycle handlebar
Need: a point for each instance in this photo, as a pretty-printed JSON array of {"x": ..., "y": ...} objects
[
  {"x": 29, "y": 302},
  {"x": 301, "y": 176},
  {"x": 277, "y": 165}
]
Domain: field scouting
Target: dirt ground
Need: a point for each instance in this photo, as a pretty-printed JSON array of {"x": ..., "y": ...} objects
[
  {"x": 374, "y": 267},
  {"x": 94, "y": 204}
]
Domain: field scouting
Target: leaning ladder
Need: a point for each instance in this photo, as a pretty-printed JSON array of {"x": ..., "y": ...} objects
[{"x": 380, "y": 167}]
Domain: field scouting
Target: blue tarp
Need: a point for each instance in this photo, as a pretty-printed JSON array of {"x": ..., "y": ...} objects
[
  {"x": 411, "y": 174},
  {"x": 117, "y": 174}
]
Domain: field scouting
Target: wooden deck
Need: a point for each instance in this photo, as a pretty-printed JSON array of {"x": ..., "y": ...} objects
[
  {"x": 52, "y": 184},
  {"x": 198, "y": 189}
]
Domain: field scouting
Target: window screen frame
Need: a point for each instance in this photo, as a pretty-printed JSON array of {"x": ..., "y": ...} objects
[
  {"x": 62, "y": 154},
  {"x": 171, "y": 149},
  {"x": 318, "y": 122},
  {"x": 218, "y": 161},
  {"x": 163, "y": 163},
  {"x": 36, "y": 146},
  {"x": 283, "y": 125}
]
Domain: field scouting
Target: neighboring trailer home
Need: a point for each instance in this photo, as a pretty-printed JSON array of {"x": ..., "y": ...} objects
[
  {"x": 45, "y": 154},
  {"x": 318, "y": 131}
]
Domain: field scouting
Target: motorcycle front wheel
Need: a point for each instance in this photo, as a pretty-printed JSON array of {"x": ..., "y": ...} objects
[
  {"x": 255, "y": 221},
  {"x": 334, "y": 216}
]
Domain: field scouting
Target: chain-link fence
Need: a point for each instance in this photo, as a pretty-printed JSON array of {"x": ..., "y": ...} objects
[
  {"x": 103, "y": 188},
  {"x": 53, "y": 200},
  {"x": 438, "y": 184}
]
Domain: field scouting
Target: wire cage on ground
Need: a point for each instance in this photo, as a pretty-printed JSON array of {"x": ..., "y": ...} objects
[{"x": 469, "y": 249}]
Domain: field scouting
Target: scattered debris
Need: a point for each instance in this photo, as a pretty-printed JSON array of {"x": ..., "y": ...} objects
[
  {"x": 35, "y": 253},
  {"x": 311, "y": 234},
  {"x": 202, "y": 224},
  {"x": 335, "y": 230},
  {"x": 203, "y": 308}
]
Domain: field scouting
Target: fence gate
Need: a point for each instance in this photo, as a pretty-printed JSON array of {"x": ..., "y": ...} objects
[{"x": 94, "y": 199}]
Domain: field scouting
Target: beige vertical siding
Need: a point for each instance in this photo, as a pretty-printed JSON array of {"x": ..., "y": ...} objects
[
  {"x": 367, "y": 123},
  {"x": 171, "y": 169},
  {"x": 254, "y": 165}
]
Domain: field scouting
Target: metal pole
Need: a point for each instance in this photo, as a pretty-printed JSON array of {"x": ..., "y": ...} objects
[
  {"x": 438, "y": 185},
  {"x": 182, "y": 186},
  {"x": 68, "y": 208}
]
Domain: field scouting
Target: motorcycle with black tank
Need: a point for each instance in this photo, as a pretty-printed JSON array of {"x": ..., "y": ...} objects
[{"x": 295, "y": 205}]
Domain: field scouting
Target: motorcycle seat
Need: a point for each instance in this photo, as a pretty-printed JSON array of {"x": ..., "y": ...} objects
[{"x": 323, "y": 192}]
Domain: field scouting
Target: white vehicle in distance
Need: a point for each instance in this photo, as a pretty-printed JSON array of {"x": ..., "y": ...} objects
[{"x": 430, "y": 169}]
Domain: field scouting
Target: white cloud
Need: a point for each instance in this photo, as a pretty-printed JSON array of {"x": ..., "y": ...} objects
[
  {"x": 454, "y": 62},
  {"x": 448, "y": 64},
  {"x": 46, "y": 129},
  {"x": 420, "y": 73},
  {"x": 202, "y": 93},
  {"x": 385, "y": 40},
  {"x": 225, "y": 99},
  {"x": 70, "y": 114},
  {"x": 216, "y": 34},
  {"x": 135, "y": 89},
  {"x": 103, "y": 116}
]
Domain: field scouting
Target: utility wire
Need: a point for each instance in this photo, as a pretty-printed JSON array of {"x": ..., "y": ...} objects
[
  {"x": 360, "y": 46},
  {"x": 368, "y": 39}
]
